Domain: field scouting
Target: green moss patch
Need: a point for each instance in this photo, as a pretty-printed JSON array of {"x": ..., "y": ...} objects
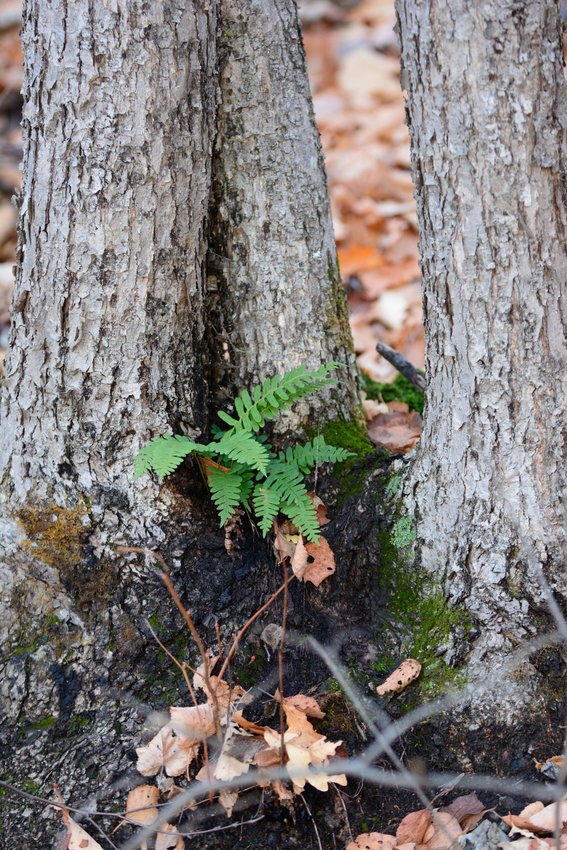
[
  {"x": 400, "y": 389},
  {"x": 420, "y": 618}
]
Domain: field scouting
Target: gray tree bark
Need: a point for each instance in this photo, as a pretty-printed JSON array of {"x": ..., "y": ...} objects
[
  {"x": 124, "y": 328},
  {"x": 486, "y": 111}
]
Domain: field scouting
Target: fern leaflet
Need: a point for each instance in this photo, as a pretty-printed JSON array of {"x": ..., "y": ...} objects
[
  {"x": 164, "y": 454},
  {"x": 309, "y": 455},
  {"x": 226, "y": 489},
  {"x": 266, "y": 506},
  {"x": 274, "y": 395},
  {"x": 242, "y": 447}
]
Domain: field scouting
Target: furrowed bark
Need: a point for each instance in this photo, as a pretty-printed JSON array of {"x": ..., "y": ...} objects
[
  {"x": 108, "y": 327},
  {"x": 486, "y": 112},
  {"x": 272, "y": 263}
]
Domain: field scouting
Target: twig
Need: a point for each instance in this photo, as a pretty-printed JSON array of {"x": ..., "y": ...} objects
[
  {"x": 281, "y": 651},
  {"x": 312, "y": 821},
  {"x": 234, "y": 646},
  {"x": 403, "y": 366}
]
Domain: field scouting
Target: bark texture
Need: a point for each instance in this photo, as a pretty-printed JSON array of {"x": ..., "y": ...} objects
[
  {"x": 272, "y": 259},
  {"x": 486, "y": 110},
  {"x": 121, "y": 332}
]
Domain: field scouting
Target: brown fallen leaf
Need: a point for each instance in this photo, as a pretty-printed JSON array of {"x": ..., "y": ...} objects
[
  {"x": 321, "y": 509},
  {"x": 467, "y": 810},
  {"x": 166, "y": 751},
  {"x": 169, "y": 839},
  {"x": 308, "y": 705},
  {"x": 313, "y": 562},
  {"x": 404, "y": 675},
  {"x": 228, "y": 799},
  {"x": 196, "y": 722},
  {"x": 78, "y": 839},
  {"x": 396, "y": 431},
  {"x": 140, "y": 805},
  {"x": 414, "y": 827},
  {"x": 552, "y": 767},
  {"x": 548, "y": 816},
  {"x": 372, "y": 841},
  {"x": 443, "y": 832},
  {"x": 525, "y": 825}
]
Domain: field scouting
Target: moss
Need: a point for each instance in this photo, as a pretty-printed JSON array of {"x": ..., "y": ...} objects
[
  {"x": 78, "y": 723},
  {"x": 55, "y": 535},
  {"x": 348, "y": 434},
  {"x": 45, "y": 722},
  {"x": 421, "y": 619},
  {"x": 400, "y": 389}
]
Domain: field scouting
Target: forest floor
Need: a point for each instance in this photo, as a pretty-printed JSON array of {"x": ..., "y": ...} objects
[{"x": 353, "y": 65}]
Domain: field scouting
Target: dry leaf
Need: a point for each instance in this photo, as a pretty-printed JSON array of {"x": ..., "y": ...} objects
[
  {"x": 532, "y": 809},
  {"x": 168, "y": 838},
  {"x": 199, "y": 675},
  {"x": 308, "y": 705},
  {"x": 228, "y": 799},
  {"x": 313, "y": 562},
  {"x": 547, "y": 817},
  {"x": 404, "y": 675},
  {"x": 195, "y": 723},
  {"x": 166, "y": 751},
  {"x": 248, "y": 725},
  {"x": 467, "y": 810},
  {"x": 140, "y": 805},
  {"x": 552, "y": 767},
  {"x": 372, "y": 841},
  {"x": 444, "y": 830},
  {"x": 228, "y": 766},
  {"x": 282, "y": 543},
  {"x": 414, "y": 827},
  {"x": 321, "y": 509},
  {"x": 396, "y": 431},
  {"x": 77, "y": 838}
]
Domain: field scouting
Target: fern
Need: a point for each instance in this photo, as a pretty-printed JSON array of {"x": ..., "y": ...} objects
[
  {"x": 242, "y": 447},
  {"x": 266, "y": 506},
  {"x": 164, "y": 454},
  {"x": 226, "y": 489},
  {"x": 274, "y": 395},
  {"x": 311, "y": 454},
  {"x": 244, "y": 464}
]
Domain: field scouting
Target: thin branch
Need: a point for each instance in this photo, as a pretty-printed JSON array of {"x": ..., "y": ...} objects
[
  {"x": 281, "y": 651},
  {"x": 403, "y": 366}
]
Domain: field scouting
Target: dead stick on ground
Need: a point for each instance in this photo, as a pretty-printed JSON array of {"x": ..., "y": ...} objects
[
  {"x": 403, "y": 366},
  {"x": 281, "y": 651}
]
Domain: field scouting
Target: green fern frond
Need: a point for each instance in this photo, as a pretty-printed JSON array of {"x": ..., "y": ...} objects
[
  {"x": 274, "y": 395},
  {"x": 266, "y": 506},
  {"x": 226, "y": 489},
  {"x": 164, "y": 454},
  {"x": 301, "y": 511},
  {"x": 242, "y": 447},
  {"x": 311, "y": 454}
]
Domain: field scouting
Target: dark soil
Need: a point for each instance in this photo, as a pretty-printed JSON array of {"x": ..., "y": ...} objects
[{"x": 107, "y": 696}]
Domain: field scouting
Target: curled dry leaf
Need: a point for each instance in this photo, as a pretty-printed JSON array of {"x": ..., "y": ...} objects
[
  {"x": 199, "y": 675},
  {"x": 77, "y": 838},
  {"x": 321, "y": 509},
  {"x": 548, "y": 816},
  {"x": 404, "y": 675},
  {"x": 443, "y": 832},
  {"x": 195, "y": 723},
  {"x": 552, "y": 767},
  {"x": 313, "y": 562},
  {"x": 308, "y": 705},
  {"x": 532, "y": 809},
  {"x": 414, "y": 827},
  {"x": 166, "y": 751},
  {"x": 140, "y": 804},
  {"x": 372, "y": 841},
  {"x": 228, "y": 799},
  {"x": 169, "y": 839}
]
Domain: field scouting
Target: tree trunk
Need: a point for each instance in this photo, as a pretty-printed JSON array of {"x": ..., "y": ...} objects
[
  {"x": 272, "y": 255},
  {"x": 486, "y": 109},
  {"x": 123, "y": 329}
]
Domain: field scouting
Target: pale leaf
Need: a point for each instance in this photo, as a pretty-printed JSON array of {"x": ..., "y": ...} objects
[
  {"x": 372, "y": 841},
  {"x": 404, "y": 675},
  {"x": 308, "y": 705},
  {"x": 166, "y": 751},
  {"x": 228, "y": 799},
  {"x": 78, "y": 839},
  {"x": 140, "y": 804},
  {"x": 169, "y": 839},
  {"x": 196, "y": 722},
  {"x": 445, "y": 830},
  {"x": 414, "y": 827}
]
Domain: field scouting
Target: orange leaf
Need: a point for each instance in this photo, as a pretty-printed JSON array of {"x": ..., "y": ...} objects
[{"x": 313, "y": 562}]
